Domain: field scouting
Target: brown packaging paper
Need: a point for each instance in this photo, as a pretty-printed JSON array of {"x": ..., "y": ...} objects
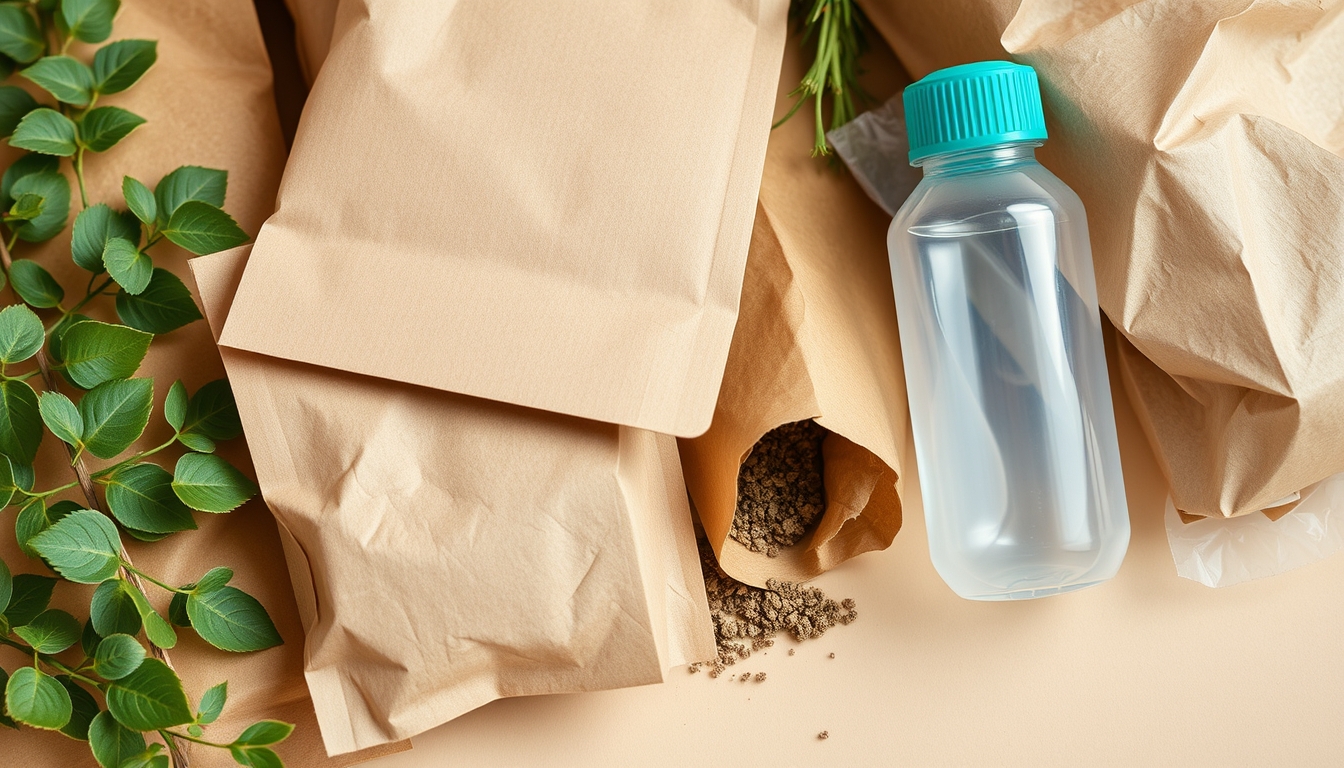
[
  {"x": 208, "y": 101},
  {"x": 558, "y": 196},
  {"x": 1207, "y": 142},
  {"x": 447, "y": 551},
  {"x": 816, "y": 338}
]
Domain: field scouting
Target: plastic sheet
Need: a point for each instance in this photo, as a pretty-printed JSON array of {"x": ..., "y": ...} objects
[{"x": 875, "y": 148}]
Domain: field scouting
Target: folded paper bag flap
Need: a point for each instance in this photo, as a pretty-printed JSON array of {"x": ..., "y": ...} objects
[{"x": 470, "y": 207}]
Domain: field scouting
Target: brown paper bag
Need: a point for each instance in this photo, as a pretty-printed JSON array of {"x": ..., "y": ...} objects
[
  {"x": 448, "y": 551},
  {"x": 816, "y": 338},
  {"x": 314, "y": 23},
  {"x": 558, "y": 195},
  {"x": 1207, "y": 141}
]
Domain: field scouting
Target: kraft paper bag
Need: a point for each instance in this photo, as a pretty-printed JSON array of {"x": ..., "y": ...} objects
[
  {"x": 1207, "y": 142},
  {"x": 544, "y": 204},
  {"x": 207, "y": 101},
  {"x": 816, "y": 338},
  {"x": 447, "y": 551},
  {"x": 314, "y": 23}
]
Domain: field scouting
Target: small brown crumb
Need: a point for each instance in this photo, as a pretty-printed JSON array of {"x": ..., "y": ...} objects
[
  {"x": 791, "y": 651},
  {"x": 760, "y": 677},
  {"x": 832, "y": 655},
  {"x": 824, "y": 735}
]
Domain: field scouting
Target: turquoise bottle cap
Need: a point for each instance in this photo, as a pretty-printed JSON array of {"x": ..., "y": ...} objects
[{"x": 971, "y": 106}]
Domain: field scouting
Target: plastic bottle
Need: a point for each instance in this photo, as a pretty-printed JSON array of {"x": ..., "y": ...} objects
[{"x": 1001, "y": 335}]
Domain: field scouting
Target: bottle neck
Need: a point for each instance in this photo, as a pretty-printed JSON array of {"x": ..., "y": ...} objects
[{"x": 980, "y": 159}]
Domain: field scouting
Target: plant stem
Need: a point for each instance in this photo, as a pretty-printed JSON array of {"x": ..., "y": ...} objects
[
  {"x": 166, "y": 732},
  {"x": 153, "y": 580},
  {"x": 50, "y": 661},
  {"x": 95, "y": 292},
  {"x": 79, "y": 174},
  {"x": 45, "y": 494},
  {"x": 142, "y": 454}
]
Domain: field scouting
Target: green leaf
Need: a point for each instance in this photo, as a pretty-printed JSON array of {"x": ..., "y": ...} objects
[
  {"x": 83, "y": 709},
  {"x": 97, "y": 352},
  {"x": 113, "y": 743},
  {"x": 25, "y": 166},
  {"x": 34, "y": 284},
  {"x": 89, "y": 20},
  {"x": 14, "y": 104},
  {"x": 214, "y": 579},
  {"x": 139, "y": 199},
  {"x": 128, "y": 265},
  {"x": 157, "y": 630},
  {"x": 212, "y": 703},
  {"x": 213, "y": 412},
  {"x": 150, "y": 758},
  {"x": 174, "y": 405},
  {"x": 21, "y": 334},
  {"x": 65, "y": 77},
  {"x": 94, "y": 227},
  {"x": 231, "y": 620},
  {"x": 264, "y": 733},
  {"x": 208, "y": 483},
  {"x": 190, "y": 182},
  {"x": 83, "y": 547},
  {"x": 51, "y": 631},
  {"x": 164, "y": 306},
  {"x": 177, "y": 610},
  {"x": 27, "y": 207},
  {"x": 6, "y": 583},
  {"x": 141, "y": 497},
  {"x": 89, "y": 639},
  {"x": 255, "y": 757},
  {"x": 113, "y": 610},
  {"x": 203, "y": 229},
  {"x": 62, "y": 418},
  {"x": 117, "y": 66},
  {"x": 36, "y": 699},
  {"x": 20, "y": 422},
  {"x": 55, "y": 192},
  {"x": 118, "y": 656},
  {"x": 149, "y": 698},
  {"x": 101, "y": 128},
  {"x": 146, "y": 535},
  {"x": 5, "y": 719},
  {"x": 23, "y": 475},
  {"x": 36, "y": 517},
  {"x": 46, "y": 131},
  {"x": 115, "y": 414},
  {"x": 58, "y": 334},
  {"x": 31, "y": 594},
  {"x": 197, "y": 442},
  {"x": 8, "y": 485},
  {"x": 20, "y": 39}
]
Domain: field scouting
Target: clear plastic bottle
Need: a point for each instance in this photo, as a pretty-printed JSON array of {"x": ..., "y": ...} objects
[{"x": 1001, "y": 335}]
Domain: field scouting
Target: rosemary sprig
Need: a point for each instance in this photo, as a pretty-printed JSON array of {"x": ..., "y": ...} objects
[{"x": 837, "y": 27}]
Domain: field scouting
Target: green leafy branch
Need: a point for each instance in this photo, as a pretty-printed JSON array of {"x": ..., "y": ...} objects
[
  {"x": 113, "y": 690},
  {"x": 837, "y": 27}
]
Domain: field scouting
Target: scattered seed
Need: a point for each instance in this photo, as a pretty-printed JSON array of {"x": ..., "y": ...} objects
[
  {"x": 779, "y": 488},
  {"x": 824, "y": 735}
]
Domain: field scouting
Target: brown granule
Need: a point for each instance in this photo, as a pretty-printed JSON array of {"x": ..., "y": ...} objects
[
  {"x": 832, "y": 655},
  {"x": 779, "y": 488},
  {"x": 742, "y": 613},
  {"x": 760, "y": 677},
  {"x": 824, "y": 735},
  {"x": 790, "y": 653}
]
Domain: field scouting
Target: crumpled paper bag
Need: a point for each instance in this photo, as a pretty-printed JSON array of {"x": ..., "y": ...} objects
[
  {"x": 447, "y": 551},
  {"x": 816, "y": 338},
  {"x": 1207, "y": 141}
]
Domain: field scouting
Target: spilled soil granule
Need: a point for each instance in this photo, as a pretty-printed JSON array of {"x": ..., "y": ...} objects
[
  {"x": 748, "y": 618},
  {"x": 779, "y": 488}
]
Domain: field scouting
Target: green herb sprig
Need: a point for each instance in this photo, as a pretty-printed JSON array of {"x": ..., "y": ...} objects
[
  {"x": 96, "y": 680},
  {"x": 836, "y": 27}
]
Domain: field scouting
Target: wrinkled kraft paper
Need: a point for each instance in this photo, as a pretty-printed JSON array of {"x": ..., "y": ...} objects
[
  {"x": 208, "y": 101},
  {"x": 558, "y": 196},
  {"x": 447, "y": 551},
  {"x": 1207, "y": 141},
  {"x": 816, "y": 338}
]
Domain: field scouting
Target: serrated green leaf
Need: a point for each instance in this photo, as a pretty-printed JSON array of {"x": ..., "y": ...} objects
[
  {"x": 164, "y": 306},
  {"x": 34, "y": 284},
  {"x": 101, "y": 128},
  {"x": 89, "y": 20},
  {"x": 62, "y": 417},
  {"x": 174, "y": 405},
  {"x": 20, "y": 423},
  {"x": 203, "y": 229},
  {"x": 177, "y": 610},
  {"x": 113, "y": 743},
  {"x": 142, "y": 497},
  {"x": 37, "y": 699},
  {"x": 264, "y": 733},
  {"x": 51, "y": 631},
  {"x": 36, "y": 517},
  {"x": 54, "y": 189},
  {"x": 149, "y": 698},
  {"x": 208, "y": 483},
  {"x": 94, "y": 227},
  {"x": 21, "y": 334},
  {"x": 139, "y": 199},
  {"x": 83, "y": 547},
  {"x": 118, "y": 656},
  {"x": 46, "y": 131},
  {"x": 14, "y": 104},
  {"x": 20, "y": 38},
  {"x": 30, "y": 596},
  {"x": 117, "y": 66},
  {"x": 65, "y": 77},
  {"x": 128, "y": 265},
  {"x": 26, "y": 208},
  {"x": 159, "y": 631},
  {"x": 83, "y": 709},
  {"x": 58, "y": 334},
  {"x": 96, "y": 352},
  {"x": 213, "y": 412},
  {"x": 115, "y": 414},
  {"x": 113, "y": 610},
  {"x": 212, "y": 703},
  {"x": 190, "y": 182},
  {"x": 213, "y": 579},
  {"x": 231, "y": 620}
]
